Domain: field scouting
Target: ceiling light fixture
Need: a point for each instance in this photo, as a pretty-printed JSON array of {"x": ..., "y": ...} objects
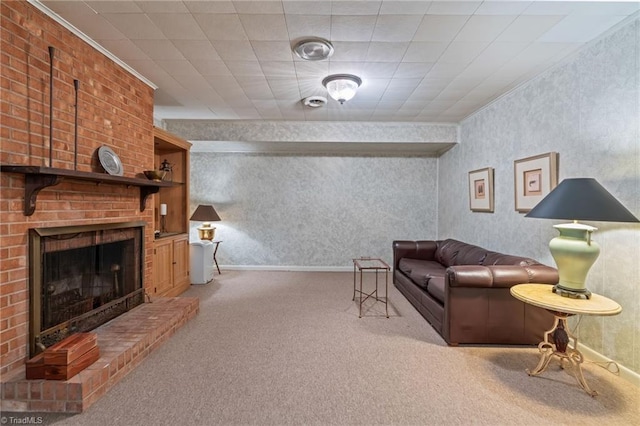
[
  {"x": 313, "y": 49},
  {"x": 342, "y": 87}
]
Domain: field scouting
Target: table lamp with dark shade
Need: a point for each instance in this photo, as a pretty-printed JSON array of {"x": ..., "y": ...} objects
[
  {"x": 573, "y": 250},
  {"x": 205, "y": 213}
]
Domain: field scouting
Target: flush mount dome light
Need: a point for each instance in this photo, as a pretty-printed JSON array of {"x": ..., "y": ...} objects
[
  {"x": 342, "y": 87},
  {"x": 315, "y": 49}
]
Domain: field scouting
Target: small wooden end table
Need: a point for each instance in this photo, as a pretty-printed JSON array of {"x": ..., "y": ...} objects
[
  {"x": 376, "y": 265},
  {"x": 556, "y": 340}
]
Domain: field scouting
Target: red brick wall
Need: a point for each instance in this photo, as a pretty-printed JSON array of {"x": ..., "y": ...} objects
[{"x": 114, "y": 109}]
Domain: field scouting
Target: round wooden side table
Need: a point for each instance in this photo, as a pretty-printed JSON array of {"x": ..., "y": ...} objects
[{"x": 557, "y": 339}]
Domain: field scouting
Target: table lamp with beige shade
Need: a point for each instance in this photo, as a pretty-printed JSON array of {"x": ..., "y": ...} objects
[
  {"x": 573, "y": 250},
  {"x": 205, "y": 213}
]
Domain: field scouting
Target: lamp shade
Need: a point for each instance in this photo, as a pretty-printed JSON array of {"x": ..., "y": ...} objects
[
  {"x": 342, "y": 87},
  {"x": 581, "y": 199},
  {"x": 205, "y": 213}
]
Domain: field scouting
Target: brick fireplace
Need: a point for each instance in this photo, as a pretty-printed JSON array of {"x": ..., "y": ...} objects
[
  {"x": 114, "y": 108},
  {"x": 80, "y": 277}
]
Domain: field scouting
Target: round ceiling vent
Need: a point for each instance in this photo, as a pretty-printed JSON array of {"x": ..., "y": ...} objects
[
  {"x": 314, "y": 101},
  {"x": 315, "y": 49}
]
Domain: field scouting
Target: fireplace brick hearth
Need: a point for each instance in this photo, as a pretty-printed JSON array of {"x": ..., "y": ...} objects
[{"x": 124, "y": 342}]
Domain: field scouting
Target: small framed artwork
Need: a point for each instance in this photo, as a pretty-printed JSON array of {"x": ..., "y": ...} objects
[
  {"x": 534, "y": 178},
  {"x": 481, "y": 190}
]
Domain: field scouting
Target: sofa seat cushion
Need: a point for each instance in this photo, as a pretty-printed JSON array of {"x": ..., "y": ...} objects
[
  {"x": 436, "y": 288},
  {"x": 421, "y": 271}
]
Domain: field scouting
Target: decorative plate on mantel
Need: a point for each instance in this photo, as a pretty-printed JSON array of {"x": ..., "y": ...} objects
[{"x": 110, "y": 161}]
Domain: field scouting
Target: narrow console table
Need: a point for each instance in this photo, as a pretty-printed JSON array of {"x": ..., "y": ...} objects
[
  {"x": 556, "y": 340},
  {"x": 376, "y": 265}
]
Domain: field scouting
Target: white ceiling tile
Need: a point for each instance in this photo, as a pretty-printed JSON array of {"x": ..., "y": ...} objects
[
  {"x": 396, "y": 27},
  {"x": 440, "y": 28},
  {"x": 503, "y": 7},
  {"x": 399, "y": 7},
  {"x": 600, "y": 8},
  {"x": 265, "y": 27},
  {"x": 345, "y": 68},
  {"x": 462, "y": 52},
  {"x": 372, "y": 90},
  {"x": 234, "y": 50},
  {"x": 162, "y": 6},
  {"x": 497, "y": 53},
  {"x": 305, "y": 7},
  {"x": 86, "y": 20},
  {"x": 255, "y": 87},
  {"x": 162, "y": 112},
  {"x": 126, "y": 49},
  {"x": 303, "y": 26},
  {"x": 278, "y": 69},
  {"x": 477, "y": 50},
  {"x": 527, "y": 28},
  {"x": 221, "y": 27},
  {"x": 210, "y": 7},
  {"x": 244, "y": 68},
  {"x": 135, "y": 25},
  {"x": 178, "y": 26},
  {"x": 197, "y": 50},
  {"x": 445, "y": 70},
  {"x": 247, "y": 113},
  {"x": 484, "y": 28},
  {"x": 386, "y": 52},
  {"x": 579, "y": 28},
  {"x": 195, "y": 83},
  {"x": 259, "y": 7},
  {"x": 107, "y": 6},
  {"x": 358, "y": 7},
  {"x": 453, "y": 7},
  {"x": 413, "y": 70},
  {"x": 272, "y": 50},
  {"x": 210, "y": 67},
  {"x": 282, "y": 88},
  {"x": 317, "y": 69},
  {"x": 424, "y": 51},
  {"x": 381, "y": 70},
  {"x": 179, "y": 68},
  {"x": 159, "y": 49},
  {"x": 352, "y": 28},
  {"x": 349, "y": 51}
]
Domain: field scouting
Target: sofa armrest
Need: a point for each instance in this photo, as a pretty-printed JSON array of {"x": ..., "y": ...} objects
[
  {"x": 469, "y": 276},
  {"x": 423, "y": 250},
  {"x": 504, "y": 276}
]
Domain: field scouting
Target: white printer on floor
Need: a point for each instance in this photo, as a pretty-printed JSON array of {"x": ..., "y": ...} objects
[{"x": 201, "y": 262}]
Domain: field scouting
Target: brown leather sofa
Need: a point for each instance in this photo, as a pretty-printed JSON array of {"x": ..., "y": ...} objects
[{"x": 463, "y": 291}]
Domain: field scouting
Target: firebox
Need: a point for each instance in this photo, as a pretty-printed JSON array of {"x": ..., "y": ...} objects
[{"x": 80, "y": 277}]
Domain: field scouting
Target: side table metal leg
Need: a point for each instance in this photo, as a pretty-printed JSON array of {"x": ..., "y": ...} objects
[
  {"x": 558, "y": 346},
  {"x": 386, "y": 292},
  {"x": 360, "y": 312},
  {"x": 215, "y": 251}
]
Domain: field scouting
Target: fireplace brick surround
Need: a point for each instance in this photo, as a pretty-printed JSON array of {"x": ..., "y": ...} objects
[
  {"x": 115, "y": 108},
  {"x": 124, "y": 342}
]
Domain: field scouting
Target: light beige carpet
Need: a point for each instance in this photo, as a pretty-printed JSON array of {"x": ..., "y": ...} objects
[{"x": 280, "y": 348}]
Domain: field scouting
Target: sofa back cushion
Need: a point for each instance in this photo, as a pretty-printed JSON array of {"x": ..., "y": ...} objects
[{"x": 453, "y": 252}]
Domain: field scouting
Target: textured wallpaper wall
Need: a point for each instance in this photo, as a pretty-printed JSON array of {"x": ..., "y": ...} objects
[
  {"x": 588, "y": 111},
  {"x": 313, "y": 212}
]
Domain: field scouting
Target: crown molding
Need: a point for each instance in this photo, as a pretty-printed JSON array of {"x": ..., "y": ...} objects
[{"x": 60, "y": 20}]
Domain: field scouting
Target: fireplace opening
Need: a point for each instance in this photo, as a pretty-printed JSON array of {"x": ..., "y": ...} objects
[{"x": 81, "y": 277}]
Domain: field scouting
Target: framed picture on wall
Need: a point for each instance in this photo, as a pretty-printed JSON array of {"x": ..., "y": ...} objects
[
  {"x": 534, "y": 178},
  {"x": 481, "y": 190}
]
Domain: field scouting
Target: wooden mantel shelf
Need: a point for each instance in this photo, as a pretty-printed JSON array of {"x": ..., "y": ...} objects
[{"x": 38, "y": 178}]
